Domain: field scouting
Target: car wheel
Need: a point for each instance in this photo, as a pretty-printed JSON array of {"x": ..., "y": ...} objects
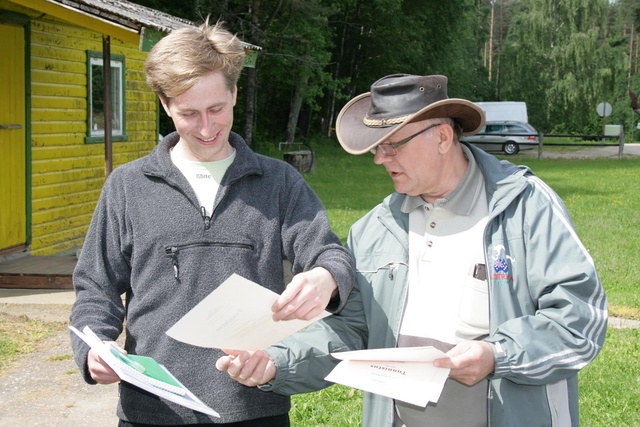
[{"x": 510, "y": 148}]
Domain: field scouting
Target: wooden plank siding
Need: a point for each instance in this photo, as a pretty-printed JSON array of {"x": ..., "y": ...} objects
[{"x": 67, "y": 173}]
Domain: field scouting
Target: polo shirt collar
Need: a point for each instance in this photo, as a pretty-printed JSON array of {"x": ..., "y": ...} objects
[{"x": 462, "y": 199}]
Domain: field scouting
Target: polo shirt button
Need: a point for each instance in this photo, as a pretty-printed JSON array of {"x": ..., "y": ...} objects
[{"x": 433, "y": 225}]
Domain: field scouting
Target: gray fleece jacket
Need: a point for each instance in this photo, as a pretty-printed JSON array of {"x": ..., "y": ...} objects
[{"x": 149, "y": 241}]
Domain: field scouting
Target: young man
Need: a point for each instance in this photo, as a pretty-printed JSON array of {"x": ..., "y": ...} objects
[
  {"x": 475, "y": 256},
  {"x": 172, "y": 226}
]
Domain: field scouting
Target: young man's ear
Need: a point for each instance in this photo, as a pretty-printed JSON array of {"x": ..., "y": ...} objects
[
  {"x": 165, "y": 105},
  {"x": 235, "y": 95}
]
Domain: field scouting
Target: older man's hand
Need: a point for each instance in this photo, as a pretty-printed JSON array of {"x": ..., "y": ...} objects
[
  {"x": 306, "y": 296},
  {"x": 470, "y": 362},
  {"x": 250, "y": 368}
]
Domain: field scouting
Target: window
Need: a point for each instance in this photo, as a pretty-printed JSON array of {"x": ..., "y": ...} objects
[
  {"x": 517, "y": 129},
  {"x": 495, "y": 128},
  {"x": 95, "y": 97}
]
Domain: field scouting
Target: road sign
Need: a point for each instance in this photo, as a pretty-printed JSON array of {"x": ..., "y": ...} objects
[{"x": 604, "y": 109}]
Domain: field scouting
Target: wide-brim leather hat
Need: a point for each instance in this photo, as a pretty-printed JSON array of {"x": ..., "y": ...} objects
[{"x": 397, "y": 100}]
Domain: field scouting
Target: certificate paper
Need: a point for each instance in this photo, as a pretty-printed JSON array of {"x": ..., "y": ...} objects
[
  {"x": 236, "y": 316},
  {"x": 405, "y": 374}
]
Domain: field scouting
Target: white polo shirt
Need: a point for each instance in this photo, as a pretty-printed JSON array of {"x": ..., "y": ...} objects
[{"x": 446, "y": 304}]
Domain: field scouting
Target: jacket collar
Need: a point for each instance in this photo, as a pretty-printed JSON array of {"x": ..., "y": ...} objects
[{"x": 504, "y": 181}]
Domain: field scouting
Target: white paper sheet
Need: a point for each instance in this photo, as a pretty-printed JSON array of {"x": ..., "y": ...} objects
[
  {"x": 237, "y": 316},
  {"x": 405, "y": 374}
]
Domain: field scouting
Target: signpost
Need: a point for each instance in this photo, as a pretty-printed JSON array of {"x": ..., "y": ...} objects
[{"x": 604, "y": 110}]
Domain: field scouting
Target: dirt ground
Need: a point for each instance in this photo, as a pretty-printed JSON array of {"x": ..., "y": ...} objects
[{"x": 45, "y": 388}]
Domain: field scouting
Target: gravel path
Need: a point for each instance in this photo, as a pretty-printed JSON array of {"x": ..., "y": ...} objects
[
  {"x": 630, "y": 150},
  {"x": 45, "y": 388}
]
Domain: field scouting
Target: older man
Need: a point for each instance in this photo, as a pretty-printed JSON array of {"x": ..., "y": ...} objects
[{"x": 472, "y": 255}]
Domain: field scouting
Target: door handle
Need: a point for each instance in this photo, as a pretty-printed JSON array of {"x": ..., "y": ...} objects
[{"x": 10, "y": 126}]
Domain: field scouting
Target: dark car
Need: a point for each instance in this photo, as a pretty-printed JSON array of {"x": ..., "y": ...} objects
[{"x": 509, "y": 137}]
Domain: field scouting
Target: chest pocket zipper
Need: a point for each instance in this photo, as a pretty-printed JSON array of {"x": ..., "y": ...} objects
[{"x": 172, "y": 251}]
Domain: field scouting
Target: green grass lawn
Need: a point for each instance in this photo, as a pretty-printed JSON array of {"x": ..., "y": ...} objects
[{"x": 602, "y": 198}]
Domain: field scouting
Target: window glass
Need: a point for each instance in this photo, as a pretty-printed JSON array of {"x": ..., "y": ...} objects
[
  {"x": 95, "y": 95},
  {"x": 516, "y": 129}
]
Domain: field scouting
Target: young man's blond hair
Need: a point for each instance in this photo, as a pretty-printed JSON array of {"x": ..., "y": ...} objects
[{"x": 183, "y": 57}]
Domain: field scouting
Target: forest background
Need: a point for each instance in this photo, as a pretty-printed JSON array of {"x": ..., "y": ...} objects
[{"x": 561, "y": 57}]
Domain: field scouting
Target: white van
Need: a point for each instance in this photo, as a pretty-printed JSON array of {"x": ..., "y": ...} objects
[{"x": 505, "y": 111}]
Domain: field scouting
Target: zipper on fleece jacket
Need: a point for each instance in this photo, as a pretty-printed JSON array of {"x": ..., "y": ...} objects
[
  {"x": 207, "y": 218},
  {"x": 172, "y": 251}
]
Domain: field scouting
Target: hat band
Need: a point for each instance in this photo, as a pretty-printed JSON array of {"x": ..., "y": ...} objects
[{"x": 383, "y": 122}]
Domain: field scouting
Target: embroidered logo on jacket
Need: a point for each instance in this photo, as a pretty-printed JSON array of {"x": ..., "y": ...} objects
[{"x": 501, "y": 260}]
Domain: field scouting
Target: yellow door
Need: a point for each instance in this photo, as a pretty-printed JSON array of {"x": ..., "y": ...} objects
[{"x": 13, "y": 209}]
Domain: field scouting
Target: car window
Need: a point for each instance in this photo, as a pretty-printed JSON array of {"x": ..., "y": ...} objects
[
  {"x": 495, "y": 129},
  {"x": 517, "y": 129}
]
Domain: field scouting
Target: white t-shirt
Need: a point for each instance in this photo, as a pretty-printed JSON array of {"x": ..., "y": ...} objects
[{"x": 204, "y": 177}]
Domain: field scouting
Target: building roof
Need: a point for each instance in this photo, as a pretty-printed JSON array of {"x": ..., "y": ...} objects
[{"x": 131, "y": 16}]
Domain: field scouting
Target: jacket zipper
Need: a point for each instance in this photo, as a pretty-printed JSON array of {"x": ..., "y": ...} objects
[
  {"x": 206, "y": 218},
  {"x": 172, "y": 251}
]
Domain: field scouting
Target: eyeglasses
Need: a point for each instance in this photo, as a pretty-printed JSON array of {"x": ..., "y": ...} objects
[{"x": 391, "y": 149}]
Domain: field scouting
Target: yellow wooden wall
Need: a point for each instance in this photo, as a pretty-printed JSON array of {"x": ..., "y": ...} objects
[{"x": 67, "y": 174}]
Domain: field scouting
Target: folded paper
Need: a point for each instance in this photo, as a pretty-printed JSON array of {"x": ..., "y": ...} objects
[{"x": 406, "y": 373}]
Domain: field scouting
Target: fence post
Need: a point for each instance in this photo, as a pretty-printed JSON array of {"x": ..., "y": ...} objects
[
  {"x": 540, "y": 144},
  {"x": 621, "y": 142}
]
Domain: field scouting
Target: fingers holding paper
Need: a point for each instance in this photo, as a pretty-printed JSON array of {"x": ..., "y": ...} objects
[
  {"x": 99, "y": 370},
  {"x": 306, "y": 296},
  {"x": 250, "y": 368},
  {"x": 470, "y": 362}
]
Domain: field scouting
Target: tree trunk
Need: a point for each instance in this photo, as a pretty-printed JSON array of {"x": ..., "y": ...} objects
[
  {"x": 296, "y": 104},
  {"x": 251, "y": 92},
  {"x": 250, "y": 105},
  {"x": 302, "y": 160}
]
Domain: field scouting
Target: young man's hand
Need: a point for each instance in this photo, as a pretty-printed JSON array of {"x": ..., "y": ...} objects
[
  {"x": 306, "y": 296},
  {"x": 99, "y": 370}
]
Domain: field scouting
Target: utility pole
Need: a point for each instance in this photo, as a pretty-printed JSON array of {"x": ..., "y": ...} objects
[
  {"x": 631, "y": 40},
  {"x": 493, "y": 3}
]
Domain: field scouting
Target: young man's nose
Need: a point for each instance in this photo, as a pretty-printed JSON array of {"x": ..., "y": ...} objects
[{"x": 206, "y": 126}]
